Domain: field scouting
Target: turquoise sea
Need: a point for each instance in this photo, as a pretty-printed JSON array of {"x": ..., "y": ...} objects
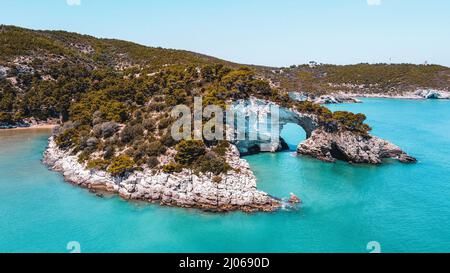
[{"x": 406, "y": 208}]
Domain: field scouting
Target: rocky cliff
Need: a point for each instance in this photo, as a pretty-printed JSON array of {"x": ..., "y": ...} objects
[{"x": 350, "y": 147}]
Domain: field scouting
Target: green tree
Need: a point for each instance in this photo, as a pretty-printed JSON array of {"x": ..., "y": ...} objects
[
  {"x": 189, "y": 150},
  {"x": 121, "y": 165}
]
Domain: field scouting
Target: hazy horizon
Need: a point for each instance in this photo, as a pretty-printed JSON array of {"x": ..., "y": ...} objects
[{"x": 269, "y": 34}]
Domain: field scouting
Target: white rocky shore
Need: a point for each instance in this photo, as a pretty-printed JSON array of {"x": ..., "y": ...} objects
[
  {"x": 236, "y": 190},
  {"x": 334, "y": 98},
  {"x": 352, "y": 97},
  {"x": 420, "y": 94}
]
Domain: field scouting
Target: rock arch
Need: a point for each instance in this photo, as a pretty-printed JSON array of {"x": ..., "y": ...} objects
[
  {"x": 257, "y": 107},
  {"x": 327, "y": 146}
]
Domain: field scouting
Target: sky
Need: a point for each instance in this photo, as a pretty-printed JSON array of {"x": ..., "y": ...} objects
[{"x": 263, "y": 32}]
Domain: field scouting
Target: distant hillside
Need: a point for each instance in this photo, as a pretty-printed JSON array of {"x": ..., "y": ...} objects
[
  {"x": 363, "y": 78},
  {"x": 23, "y": 46},
  {"x": 42, "y": 51}
]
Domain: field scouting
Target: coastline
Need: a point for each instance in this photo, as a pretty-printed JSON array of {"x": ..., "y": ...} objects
[
  {"x": 416, "y": 95},
  {"x": 32, "y": 127},
  {"x": 393, "y": 97},
  {"x": 236, "y": 191},
  {"x": 354, "y": 97}
]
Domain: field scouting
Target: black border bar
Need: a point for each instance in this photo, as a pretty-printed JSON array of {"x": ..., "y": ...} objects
[{"x": 173, "y": 262}]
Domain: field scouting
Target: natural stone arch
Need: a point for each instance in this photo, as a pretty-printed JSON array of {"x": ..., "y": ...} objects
[
  {"x": 341, "y": 144},
  {"x": 246, "y": 108},
  {"x": 307, "y": 122}
]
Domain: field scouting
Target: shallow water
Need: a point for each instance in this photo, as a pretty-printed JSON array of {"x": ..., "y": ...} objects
[{"x": 406, "y": 208}]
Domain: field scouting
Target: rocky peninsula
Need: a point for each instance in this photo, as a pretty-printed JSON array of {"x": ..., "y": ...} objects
[{"x": 235, "y": 190}]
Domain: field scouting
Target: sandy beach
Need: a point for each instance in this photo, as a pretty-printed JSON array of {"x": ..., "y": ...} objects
[{"x": 33, "y": 127}]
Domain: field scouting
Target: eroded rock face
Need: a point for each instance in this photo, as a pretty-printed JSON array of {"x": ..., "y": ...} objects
[
  {"x": 255, "y": 111},
  {"x": 350, "y": 147},
  {"x": 327, "y": 146},
  {"x": 236, "y": 191}
]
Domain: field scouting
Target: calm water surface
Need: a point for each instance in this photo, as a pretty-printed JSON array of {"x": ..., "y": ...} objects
[{"x": 406, "y": 208}]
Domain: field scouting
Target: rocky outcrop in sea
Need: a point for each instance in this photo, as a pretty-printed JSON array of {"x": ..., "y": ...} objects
[
  {"x": 351, "y": 147},
  {"x": 327, "y": 146},
  {"x": 341, "y": 145}
]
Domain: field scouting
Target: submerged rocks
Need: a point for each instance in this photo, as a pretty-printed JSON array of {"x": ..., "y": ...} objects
[
  {"x": 236, "y": 190},
  {"x": 294, "y": 199},
  {"x": 351, "y": 147},
  {"x": 404, "y": 158}
]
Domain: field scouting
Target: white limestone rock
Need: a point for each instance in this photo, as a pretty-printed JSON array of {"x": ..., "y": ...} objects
[
  {"x": 432, "y": 94},
  {"x": 236, "y": 191},
  {"x": 255, "y": 112}
]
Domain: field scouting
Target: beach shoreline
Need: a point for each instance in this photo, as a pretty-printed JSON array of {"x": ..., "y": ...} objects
[{"x": 32, "y": 127}]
